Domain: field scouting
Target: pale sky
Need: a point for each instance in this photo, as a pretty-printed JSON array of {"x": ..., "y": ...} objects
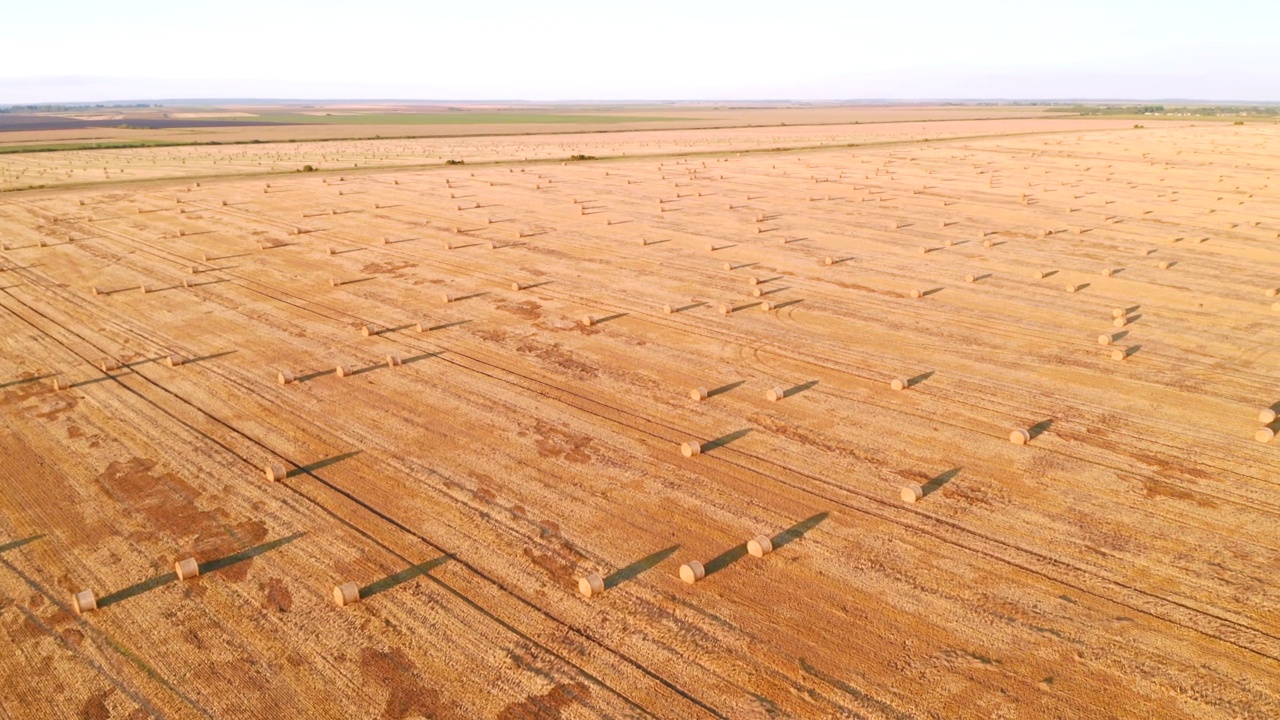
[{"x": 91, "y": 50}]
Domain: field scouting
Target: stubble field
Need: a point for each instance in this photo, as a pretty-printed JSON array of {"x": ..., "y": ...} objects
[{"x": 1118, "y": 564}]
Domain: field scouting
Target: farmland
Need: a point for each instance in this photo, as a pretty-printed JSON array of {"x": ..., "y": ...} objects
[{"x": 476, "y": 380}]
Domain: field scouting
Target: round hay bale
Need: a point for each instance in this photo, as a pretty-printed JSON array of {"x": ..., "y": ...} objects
[
  {"x": 949, "y": 242},
  {"x": 1272, "y": 292},
  {"x": 333, "y": 282},
  {"x": 828, "y": 261},
  {"x": 275, "y": 471},
  {"x": 698, "y": 393},
  {"x": 917, "y": 294},
  {"x": 589, "y": 320},
  {"x": 756, "y": 292},
  {"x": 447, "y": 297},
  {"x": 342, "y": 371},
  {"x": 60, "y": 384},
  {"x": 394, "y": 360},
  {"x": 96, "y": 290},
  {"x": 1264, "y": 435},
  {"x": 144, "y": 289},
  {"x": 366, "y": 330},
  {"x": 970, "y": 278},
  {"x": 1105, "y": 339},
  {"x": 692, "y": 571},
  {"x": 766, "y": 306},
  {"x": 328, "y": 251},
  {"x": 1107, "y": 272},
  {"x": 774, "y": 394},
  {"x": 1118, "y": 312},
  {"x": 1020, "y": 437},
  {"x": 1164, "y": 264},
  {"x": 1120, "y": 322},
  {"x": 108, "y": 365},
  {"x": 898, "y": 384},
  {"x": 284, "y": 377},
  {"x": 759, "y": 546},
  {"x": 84, "y": 602},
  {"x": 1119, "y": 354},
  {"x": 517, "y": 287},
  {"x": 173, "y": 361},
  {"x": 1038, "y": 275},
  {"x": 1266, "y": 416},
  {"x": 690, "y": 448},
  {"x": 590, "y": 585},
  {"x": 911, "y": 493},
  {"x": 924, "y": 250},
  {"x": 723, "y": 309},
  {"x": 186, "y": 568},
  {"x": 345, "y": 594},
  {"x": 753, "y": 281},
  {"x": 987, "y": 243},
  {"x": 728, "y": 266}
]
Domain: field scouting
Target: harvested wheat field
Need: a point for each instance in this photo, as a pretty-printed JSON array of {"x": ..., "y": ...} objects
[{"x": 971, "y": 427}]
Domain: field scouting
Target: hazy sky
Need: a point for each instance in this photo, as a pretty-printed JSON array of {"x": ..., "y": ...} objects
[{"x": 90, "y": 50}]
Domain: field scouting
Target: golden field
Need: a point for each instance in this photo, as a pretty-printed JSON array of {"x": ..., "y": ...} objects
[{"x": 1116, "y": 565}]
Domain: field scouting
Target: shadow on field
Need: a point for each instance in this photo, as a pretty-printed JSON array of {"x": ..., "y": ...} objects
[
  {"x": 403, "y": 576},
  {"x": 631, "y": 571},
  {"x": 205, "y": 567}
]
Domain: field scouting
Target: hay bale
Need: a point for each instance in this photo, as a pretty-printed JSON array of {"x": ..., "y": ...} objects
[
  {"x": 949, "y": 242},
  {"x": 692, "y": 571},
  {"x": 1266, "y": 416},
  {"x": 60, "y": 384},
  {"x": 173, "y": 361},
  {"x": 986, "y": 243},
  {"x": 345, "y": 594},
  {"x": 690, "y": 448},
  {"x": 1264, "y": 435},
  {"x": 970, "y": 278},
  {"x": 284, "y": 377},
  {"x": 422, "y": 326},
  {"x": 917, "y": 293},
  {"x": 667, "y": 309},
  {"x": 186, "y": 568},
  {"x": 1038, "y": 275},
  {"x": 1105, "y": 339},
  {"x": 95, "y": 290},
  {"x": 828, "y": 261},
  {"x": 1107, "y": 272},
  {"x": 1019, "y": 437},
  {"x": 774, "y": 394},
  {"x": 723, "y": 309},
  {"x": 83, "y": 602},
  {"x": 759, "y": 546},
  {"x": 394, "y": 360},
  {"x": 1119, "y": 354},
  {"x": 766, "y": 306},
  {"x": 366, "y": 330},
  {"x": 589, "y": 320},
  {"x": 911, "y": 493},
  {"x": 108, "y": 365},
  {"x": 899, "y": 384},
  {"x": 1164, "y": 265},
  {"x": 275, "y": 471},
  {"x": 1118, "y": 312},
  {"x": 1072, "y": 287},
  {"x": 447, "y": 297},
  {"x": 590, "y": 585},
  {"x": 698, "y": 393},
  {"x": 1272, "y": 292},
  {"x": 342, "y": 371}
]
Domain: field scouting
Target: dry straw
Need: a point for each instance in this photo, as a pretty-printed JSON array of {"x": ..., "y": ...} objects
[
  {"x": 759, "y": 546},
  {"x": 692, "y": 571},
  {"x": 590, "y": 585}
]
